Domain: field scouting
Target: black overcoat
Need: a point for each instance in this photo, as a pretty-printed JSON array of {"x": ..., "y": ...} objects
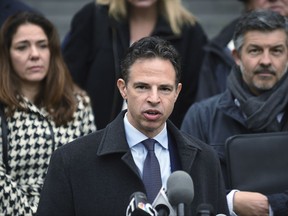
[{"x": 96, "y": 174}]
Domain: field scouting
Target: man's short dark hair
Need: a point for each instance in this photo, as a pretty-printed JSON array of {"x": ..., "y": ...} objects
[
  {"x": 258, "y": 20},
  {"x": 151, "y": 47}
]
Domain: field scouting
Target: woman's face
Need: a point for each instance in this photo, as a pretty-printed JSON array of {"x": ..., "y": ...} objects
[
  {"x": 142, "y": 3},
  {"x": 30, "y": 54}
]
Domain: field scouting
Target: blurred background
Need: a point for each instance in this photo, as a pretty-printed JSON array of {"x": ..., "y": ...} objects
[{"x": 212, "y": 14}]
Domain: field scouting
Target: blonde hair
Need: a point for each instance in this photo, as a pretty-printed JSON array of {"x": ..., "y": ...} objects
[{"x": 173, "y": 11}]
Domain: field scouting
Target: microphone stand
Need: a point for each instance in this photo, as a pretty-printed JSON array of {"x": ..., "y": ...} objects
[{"x": 180, "y": 209}]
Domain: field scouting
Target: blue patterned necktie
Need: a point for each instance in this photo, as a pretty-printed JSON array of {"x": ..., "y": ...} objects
[{"x": 151, "y": 171}]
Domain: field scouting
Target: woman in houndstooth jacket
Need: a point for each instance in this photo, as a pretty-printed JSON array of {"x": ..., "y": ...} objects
[{"x": 42, "y": 109}]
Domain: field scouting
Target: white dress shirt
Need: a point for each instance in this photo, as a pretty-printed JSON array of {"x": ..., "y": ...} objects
[{"x": 135, "y": 137}]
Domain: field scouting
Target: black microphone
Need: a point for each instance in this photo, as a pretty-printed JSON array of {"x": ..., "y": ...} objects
[
  {"x": 162, "y": 210},
  {"x": 180, "y": 190},
  {"x": 139, "y": 206},
  {"x": 162, "y": 205},
  {"x": 205, "y": 209}
]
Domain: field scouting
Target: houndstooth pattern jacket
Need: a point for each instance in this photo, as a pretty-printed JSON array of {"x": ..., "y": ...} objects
[{"x": 32, "y": 137}]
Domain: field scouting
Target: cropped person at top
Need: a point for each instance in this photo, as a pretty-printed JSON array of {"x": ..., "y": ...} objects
[
  {"x": 10, "y": 7},
  {"x": 102, "y": 31}
]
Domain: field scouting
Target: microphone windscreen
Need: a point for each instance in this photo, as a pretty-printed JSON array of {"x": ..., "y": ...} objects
[
  {"x": 139, "y": 206},
  {"x": 180, "y": 188},
  {"x": 139, "y": 197},
  {"x": 162, "y": 204}
]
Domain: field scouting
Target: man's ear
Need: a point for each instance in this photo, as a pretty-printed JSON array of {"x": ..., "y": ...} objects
[
  {"x": 122, "y": 88},
  {"x": 236, "y": 56},
  {"x": 178, "y": 90}
]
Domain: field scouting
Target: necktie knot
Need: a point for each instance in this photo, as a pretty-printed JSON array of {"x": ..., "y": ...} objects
[{"x": 149, "y": 144}]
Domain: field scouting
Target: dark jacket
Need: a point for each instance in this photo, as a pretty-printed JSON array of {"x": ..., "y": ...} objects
[
  {"x": 10, "y": 7},
  {"x": 217, "y": 64},
  {"x": 97, "y": 43},
  {"x": 96, "y": 174},
  {"x": 213, "y": 121}
]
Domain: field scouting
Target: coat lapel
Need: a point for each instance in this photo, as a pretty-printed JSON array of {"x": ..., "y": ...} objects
[
  {"x": 186, "y": 149},
  {"x": 116, "y": 143},
  {"x": 113, "y": 143}
]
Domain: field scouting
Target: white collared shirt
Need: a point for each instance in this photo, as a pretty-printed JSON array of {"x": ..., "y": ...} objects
[{"x": 135, "y": 137}]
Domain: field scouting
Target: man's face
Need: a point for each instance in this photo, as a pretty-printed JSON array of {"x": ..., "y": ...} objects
[
  {"x": 262, "y": 59},
  {"x": 150, "y": 93},
  {"x": 280, "y": 6}
]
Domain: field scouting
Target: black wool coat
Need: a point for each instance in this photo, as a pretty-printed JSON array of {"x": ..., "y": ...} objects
[
  {"x": 96, "y": 174},
  {"x": 217, "y": 64}
]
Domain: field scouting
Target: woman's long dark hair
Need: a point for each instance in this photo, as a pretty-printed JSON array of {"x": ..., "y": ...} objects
[{"x": 57, "y": 90}]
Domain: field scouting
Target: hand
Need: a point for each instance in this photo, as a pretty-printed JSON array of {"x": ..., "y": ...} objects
[{"x": 250, "y": 204}]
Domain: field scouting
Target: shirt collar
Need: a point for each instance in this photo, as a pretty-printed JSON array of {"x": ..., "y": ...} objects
[{"x": 135, "y": 137}]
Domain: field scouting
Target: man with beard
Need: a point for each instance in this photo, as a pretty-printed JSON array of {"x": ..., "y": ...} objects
[
  {"x": 218, "y": 59},
  {"x": 255, "y": 101}
]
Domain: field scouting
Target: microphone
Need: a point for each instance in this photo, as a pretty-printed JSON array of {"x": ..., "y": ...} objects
[
  {"x": 205, "y": 209},
  {"x": 180, "y": 190},
  {"x": 139, "y": 206},
  {"x": 162, "y": 205}
]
